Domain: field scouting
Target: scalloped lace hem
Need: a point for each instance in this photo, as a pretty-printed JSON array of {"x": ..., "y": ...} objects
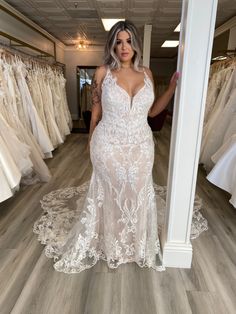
[{"x": 75, "y": 248}]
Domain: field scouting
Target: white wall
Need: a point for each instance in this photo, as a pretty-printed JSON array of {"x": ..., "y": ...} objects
[
  {"x": 74, "y": 58},
  {"x": 60, "y": 52}
]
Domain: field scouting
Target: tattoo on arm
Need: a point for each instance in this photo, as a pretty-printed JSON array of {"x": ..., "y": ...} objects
[{"x": 96, "y": 97}]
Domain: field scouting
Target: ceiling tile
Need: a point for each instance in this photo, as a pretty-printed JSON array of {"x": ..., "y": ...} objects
[{"x": 66, "y": 21}]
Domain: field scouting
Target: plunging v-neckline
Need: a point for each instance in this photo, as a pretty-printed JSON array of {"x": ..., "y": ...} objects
[{"x": 125, "y": 91}]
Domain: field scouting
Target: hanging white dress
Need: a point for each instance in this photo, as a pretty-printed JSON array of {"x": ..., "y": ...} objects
[
  {"x": 32, "y": 80},
  {"x": 231, "y": 126},
  {"x": 114, "y": 216},
  {"x": 5, "y": 189},
  {"x": 52, "y": 127},
  {"x": 211, "y": 140},
  {"x": 59, "y": 104},
  {"x": 10, "y": 174},
  {"x": 223, "y": 174},
  {"x": 62, "y": 88},
  {"x": 9, "y": 101},
  {"x": 19, "y": 151},
  {"x": 62, "y": 81},
  {"x": 34, "y": 123},
  {"x": 216, "y": 82},
  {"x": 225, "y": 124}
]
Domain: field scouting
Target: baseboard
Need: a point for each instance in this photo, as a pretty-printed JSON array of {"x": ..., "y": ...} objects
[{"x": 177, "y": 255}]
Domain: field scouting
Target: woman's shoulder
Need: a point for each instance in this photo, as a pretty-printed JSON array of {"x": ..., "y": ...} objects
[
  {"x": 102, "y": 69},
  {"x": 147, "y": 70},
  {"x": 100, "y": 72}
]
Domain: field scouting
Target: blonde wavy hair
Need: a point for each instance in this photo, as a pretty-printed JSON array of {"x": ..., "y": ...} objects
[{"x": 110, "y": 57}]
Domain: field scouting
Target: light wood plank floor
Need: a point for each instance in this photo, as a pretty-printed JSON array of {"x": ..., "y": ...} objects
[{"x": 30, "y": 285}]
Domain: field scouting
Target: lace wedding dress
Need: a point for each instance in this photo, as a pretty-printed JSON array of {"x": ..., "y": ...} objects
[{"x": 113, "y": 217}]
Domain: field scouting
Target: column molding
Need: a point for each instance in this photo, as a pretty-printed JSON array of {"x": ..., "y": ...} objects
[{"x": 196, "y": 38}]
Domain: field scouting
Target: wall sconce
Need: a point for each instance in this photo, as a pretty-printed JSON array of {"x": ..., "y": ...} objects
[{"x": 82, "y": 44}]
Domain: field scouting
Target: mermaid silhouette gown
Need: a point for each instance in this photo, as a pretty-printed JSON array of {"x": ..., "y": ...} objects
[{"x": 112, "y": 217}]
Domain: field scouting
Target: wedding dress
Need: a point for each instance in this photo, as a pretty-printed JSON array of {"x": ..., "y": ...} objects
[
  {"x": 20, "y": 152},
  {"x": 9, "y": 175},
  {"x": 214, "y": 129},
  {"x": 223, "y": 174},
  {"x": 34, "y": 123},
  {"x": 113, "y": 217},
  {"x": 53, "y": 130},
  {"x": 61, "y": 108},
  {"x": 216, "y": 82}
]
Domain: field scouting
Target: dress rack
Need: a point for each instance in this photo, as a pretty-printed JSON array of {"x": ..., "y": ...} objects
[
  {"x": 15, "y": 43},
  {"x": 20, "y": 43},
  {"x": 13, "y": 51}
]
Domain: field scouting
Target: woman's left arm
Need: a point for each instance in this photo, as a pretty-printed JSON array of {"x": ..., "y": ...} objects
[{"x": 162, "y": 102}]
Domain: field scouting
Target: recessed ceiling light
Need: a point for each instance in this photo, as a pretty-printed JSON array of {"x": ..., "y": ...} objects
[
  {"x": 170, "y": 43},
  {"x": 108, "y": 23},
  {"x": 177, "y": 29},
  {"x": 219, "y": 58}
]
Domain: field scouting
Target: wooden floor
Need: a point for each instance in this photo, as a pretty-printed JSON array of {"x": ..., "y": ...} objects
[{"x": 30, "y": 285}]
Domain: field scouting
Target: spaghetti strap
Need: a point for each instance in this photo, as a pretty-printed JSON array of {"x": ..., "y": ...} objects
[
  {"x": 107, "y": 75},
  {"x": 108, "y": 70},
  {"x": 145, "y": 73},
  {"x": 147, "y": 78}
]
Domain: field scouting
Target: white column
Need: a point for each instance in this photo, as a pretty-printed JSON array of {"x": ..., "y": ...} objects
[
  {"x": 197, "y": 30},
  {"x": 147, "y": 44}
]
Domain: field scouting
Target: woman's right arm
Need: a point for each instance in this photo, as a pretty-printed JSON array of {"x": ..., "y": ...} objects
[{"x": 96, "y": 99}]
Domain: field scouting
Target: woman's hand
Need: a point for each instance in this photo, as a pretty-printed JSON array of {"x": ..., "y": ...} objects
[
  {"x": 162, "y": 102},
  {"x": 173, "y": 81}
]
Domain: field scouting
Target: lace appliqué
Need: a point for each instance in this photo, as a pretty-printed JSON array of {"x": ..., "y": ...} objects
[{"x": 76, "y": 247}]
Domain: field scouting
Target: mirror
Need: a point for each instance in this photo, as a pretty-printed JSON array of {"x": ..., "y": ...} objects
[{"x": 84, "y": 81}]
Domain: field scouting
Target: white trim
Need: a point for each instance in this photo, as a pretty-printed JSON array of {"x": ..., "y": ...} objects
[
  {"x": 193, "y": 65},
  {"x": 226, "y": 26},
  {"x": 178, "y": 255},
  {"x": 59, "y": 44}
]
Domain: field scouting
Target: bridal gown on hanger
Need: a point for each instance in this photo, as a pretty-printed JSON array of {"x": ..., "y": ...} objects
[
  {"x": 215, "y": 127},
  {"x": 113, "y": 217}
]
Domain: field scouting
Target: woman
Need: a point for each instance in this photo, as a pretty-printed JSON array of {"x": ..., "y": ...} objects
[{"x": 118, "y": 221}]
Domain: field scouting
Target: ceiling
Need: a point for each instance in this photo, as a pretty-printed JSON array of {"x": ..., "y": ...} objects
[{"x": 69, "y": 20}]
